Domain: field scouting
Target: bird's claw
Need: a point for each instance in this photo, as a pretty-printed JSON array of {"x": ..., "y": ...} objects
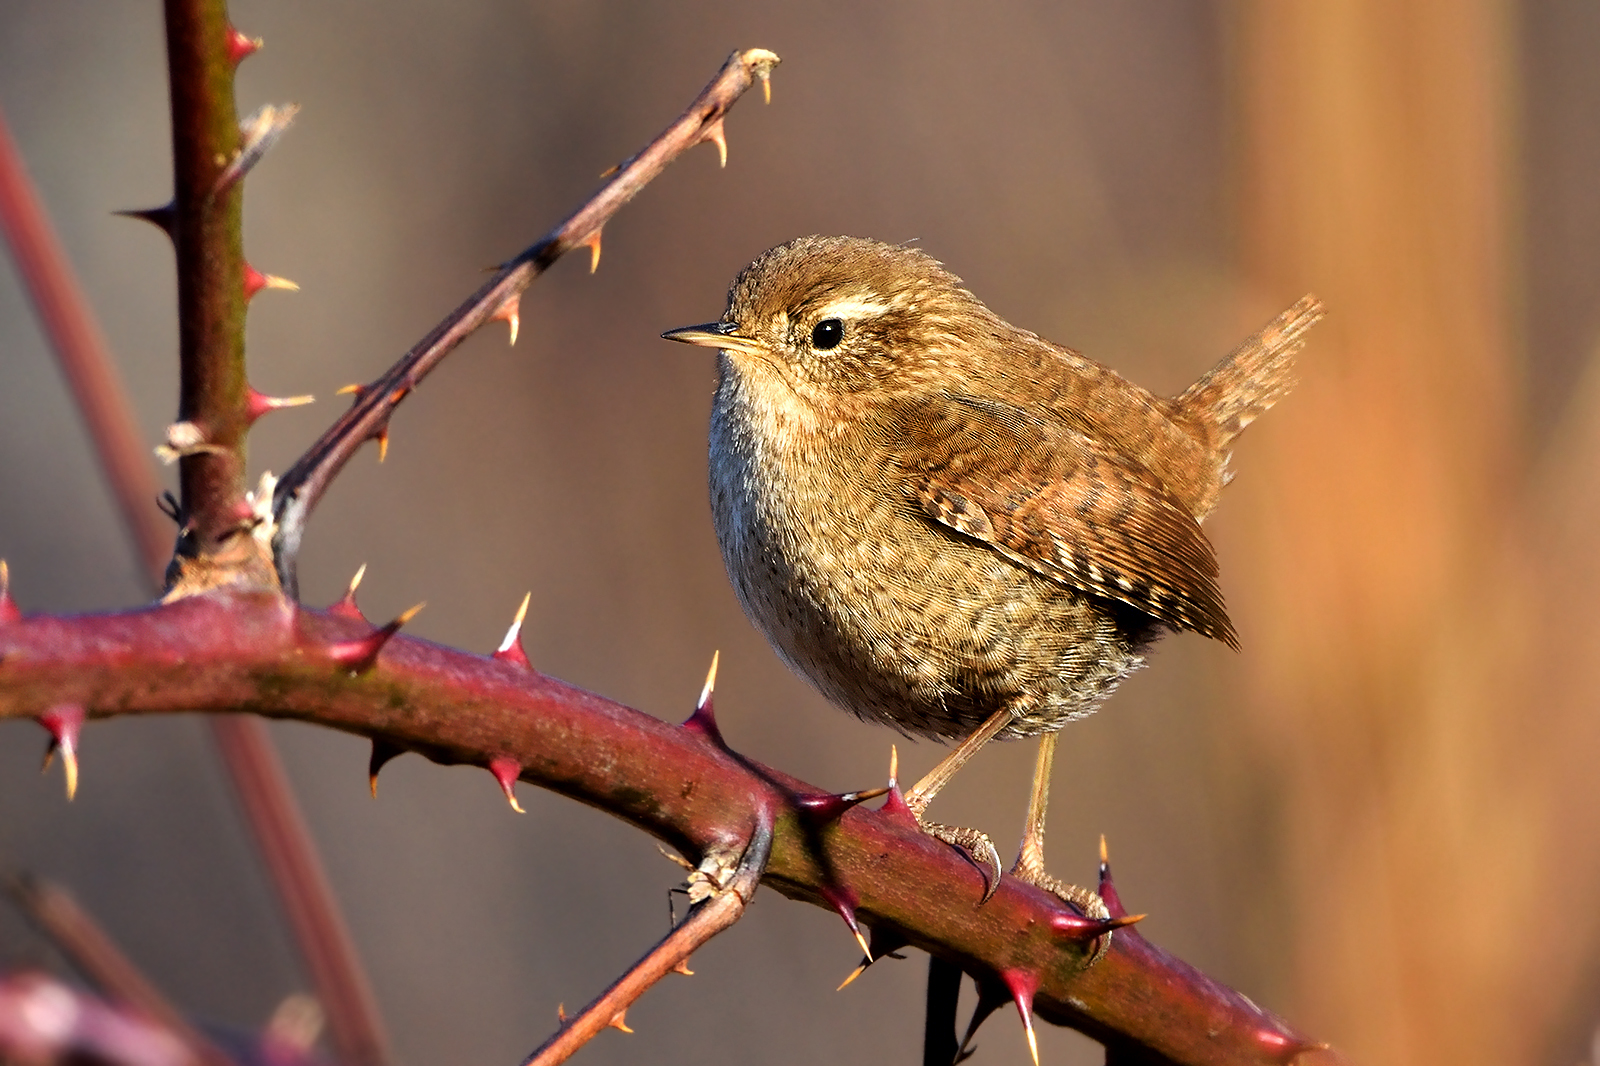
[{"x": 977, "y": 847}]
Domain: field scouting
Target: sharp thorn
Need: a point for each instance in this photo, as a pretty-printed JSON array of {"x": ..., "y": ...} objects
[
  {"x": 351, "y": 390},
  {"x": 162, "y": 218},
  {"x": 510, "y": 649},
  {"x": 360, "y": 655},
  {"x": 347, "y": 607},
  {"x": 718, "y": 135},
  {"x": 382, "y": 752},
  {"x": 506, "y": 770},
  {"x": 383, "y": 444},
  {"x": 64, "y": 722},
  {"x": 509, "y": 312},
  {"x": 857, "y": 972},
  {"x": 608, "y": 171},
  {"x": 1021, "y": 986},
  {"x": 822, "y": 808},
  {"x": 865, "y": 949},
  {"x": 593, "y": 241},
  {"x": 241, "y": 47},
  {"x": 620, "y": 1021},
  {"x": 258, "y": 403},
  {"x": 683, "y": 968},
  {"x": 704, "y": 718},
  {"x": 561, "y": 1013},
  {"x": 710, "y": 687},
  {"x": 255, "y": 281},
  {"x": 894, "y": 767}
]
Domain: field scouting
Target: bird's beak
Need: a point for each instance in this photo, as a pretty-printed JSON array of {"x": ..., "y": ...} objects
[{"x": 714, "y": 335}]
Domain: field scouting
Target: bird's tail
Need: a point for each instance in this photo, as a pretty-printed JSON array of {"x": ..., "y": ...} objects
[{"x": 1255, "y": 376}]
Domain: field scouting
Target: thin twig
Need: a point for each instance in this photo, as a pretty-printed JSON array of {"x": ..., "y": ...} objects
[
  {"x": 82, "y": 940},
  {"x": 303, "y": 486},
  {"x": 706, "y": 920}
]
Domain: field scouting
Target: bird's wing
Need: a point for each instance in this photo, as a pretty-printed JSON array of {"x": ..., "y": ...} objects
[{"x": 1058, "y": 502}]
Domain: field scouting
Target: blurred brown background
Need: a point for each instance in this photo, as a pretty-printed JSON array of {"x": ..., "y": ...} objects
[{"x": 1380, "y": 819}]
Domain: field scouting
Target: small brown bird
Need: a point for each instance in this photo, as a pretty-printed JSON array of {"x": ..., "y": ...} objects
[{"x": 948, "y": 524}]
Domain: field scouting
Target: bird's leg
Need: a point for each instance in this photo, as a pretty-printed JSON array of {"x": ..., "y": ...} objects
[
  {"x": 975, "y": 843},
  {"x": 1029, "y": 866},
  {"x": 923, "y": 791}
]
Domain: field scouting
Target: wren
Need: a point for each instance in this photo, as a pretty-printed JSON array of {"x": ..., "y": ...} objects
[{"x": 948, "y": 524}]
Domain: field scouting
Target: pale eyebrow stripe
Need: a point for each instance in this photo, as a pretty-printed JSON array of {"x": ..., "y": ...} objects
[{"x": 852, "y": 307}]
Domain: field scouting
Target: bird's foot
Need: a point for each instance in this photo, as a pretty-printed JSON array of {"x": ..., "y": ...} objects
[
  {"x": 1085, "y": 901},
  {"x": 978, "y": 848}
]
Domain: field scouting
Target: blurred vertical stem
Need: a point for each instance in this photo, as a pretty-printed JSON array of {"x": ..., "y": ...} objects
[{"x": 1384, "y": 513}]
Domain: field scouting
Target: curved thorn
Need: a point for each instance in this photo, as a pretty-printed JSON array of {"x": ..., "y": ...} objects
[
  {"x": 64, "y": 722},
  {"x": 620, "y": 1021},
  {"x": 162, "y": 218},
  {"x": 383, "y": 751},
  {"x": 718, "y": 135},
  {"x": 510, "y": 312},
  {"x": 593, "y": 242},
  {"x": 383, "y": 443},
  {"x": 506, "y": 770}
]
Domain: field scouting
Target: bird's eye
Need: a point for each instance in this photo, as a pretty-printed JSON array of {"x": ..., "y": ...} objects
[{"x": 827, "y": 334}]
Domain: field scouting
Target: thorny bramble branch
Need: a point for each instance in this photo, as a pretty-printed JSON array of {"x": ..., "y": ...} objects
[
  {"x": 230, "y": 639},
  {"x": 368, "y": 418}
]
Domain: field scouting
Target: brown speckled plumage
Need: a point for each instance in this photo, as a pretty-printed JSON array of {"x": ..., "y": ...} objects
[{"x": 941, "y": 515}]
